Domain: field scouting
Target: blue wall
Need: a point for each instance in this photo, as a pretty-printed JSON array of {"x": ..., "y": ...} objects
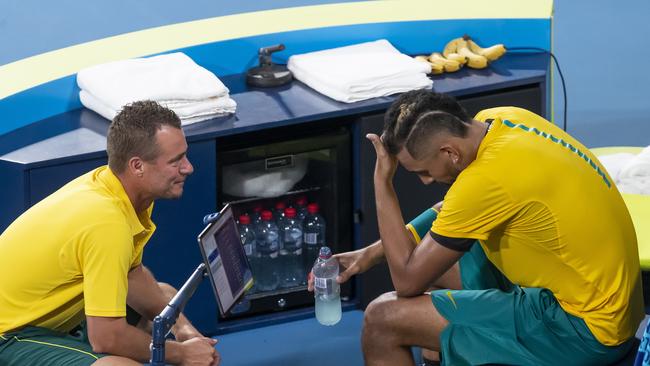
[
  {"x": 603, "y": 48},
  {"x": 32, "y": 29}
]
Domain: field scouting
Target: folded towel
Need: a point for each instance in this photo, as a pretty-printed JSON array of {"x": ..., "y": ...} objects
[
  {"x": 361, "y": 71},
  {"x": 167, "y": 77},
  {"x": 613, "y": 163},
  {"x": 631, "y": 172},
  {"x": 637, "y": 185},
  {"x": 637, "y": 166},
  {"x": 188, "y": 112}
]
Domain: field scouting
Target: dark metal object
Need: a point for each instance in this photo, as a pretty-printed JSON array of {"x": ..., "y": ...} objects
[{"x": 268, "y": 74}]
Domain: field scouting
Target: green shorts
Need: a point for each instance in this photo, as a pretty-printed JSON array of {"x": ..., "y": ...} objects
[
  {"x": 41, "y": 346},
  {"x": 492, "y": 321}
]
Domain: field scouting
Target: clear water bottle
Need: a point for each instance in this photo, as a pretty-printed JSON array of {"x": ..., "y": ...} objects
[
  {"x": 313, "y": 235},
  {"x": 301, "y": 207},
  {"x": 256, "y": 216},
  {"x": 278, "y": 213},
  {"x": 291, "y": 250},
  {"x": 267, "y": 247},
  {"x": 327, "y": 291},
  {"x": 247, "y": 236}
]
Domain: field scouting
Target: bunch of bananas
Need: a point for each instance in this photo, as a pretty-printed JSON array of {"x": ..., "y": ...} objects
[{"x": 462, "y": 51}]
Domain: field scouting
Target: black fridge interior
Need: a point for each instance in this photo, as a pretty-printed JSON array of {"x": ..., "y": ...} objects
[{"x": 295, "y": 186}]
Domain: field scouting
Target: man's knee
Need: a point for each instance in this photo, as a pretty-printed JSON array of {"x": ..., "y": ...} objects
[
  {"x": 381, "y": 311},
  {"x": 115, "y": 361}
]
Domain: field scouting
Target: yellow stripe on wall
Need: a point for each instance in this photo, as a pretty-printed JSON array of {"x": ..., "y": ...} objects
[{"x": 32, "y": 71}]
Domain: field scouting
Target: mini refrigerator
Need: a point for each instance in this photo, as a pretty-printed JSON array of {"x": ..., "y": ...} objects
[{"x": 285, "y": 178}]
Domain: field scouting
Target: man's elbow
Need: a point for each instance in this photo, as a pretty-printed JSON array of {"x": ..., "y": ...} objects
[
  {"x": 408, "y": 290},
  {"x": 105, "y": 344},
  {"x": 105, "y": 338}
]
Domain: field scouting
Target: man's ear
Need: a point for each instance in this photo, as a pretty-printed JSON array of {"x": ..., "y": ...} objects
[
  {"x": 450, "y": 151},
  {"x": 135, "y": 166}
]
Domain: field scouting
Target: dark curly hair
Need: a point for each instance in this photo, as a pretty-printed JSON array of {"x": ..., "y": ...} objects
[
  {"x": 421, "y": 113},
  {"x": 133, "y": 132}
]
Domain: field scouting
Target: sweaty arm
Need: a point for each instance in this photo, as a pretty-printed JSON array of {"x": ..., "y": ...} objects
[
  {"x": 412, "y": 267},
  {"x": 417, "y": 229}
]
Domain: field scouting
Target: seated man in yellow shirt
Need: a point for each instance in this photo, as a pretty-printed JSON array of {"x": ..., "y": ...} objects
[
  {"x": 77, "y": 254},
  {"x": 533, "y": 244}
]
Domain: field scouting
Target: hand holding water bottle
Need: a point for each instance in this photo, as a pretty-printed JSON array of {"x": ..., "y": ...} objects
[
  {"x": 327, "y": 291},
  {"x": 351, "y": 263}
]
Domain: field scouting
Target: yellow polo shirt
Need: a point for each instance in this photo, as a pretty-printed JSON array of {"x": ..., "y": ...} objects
[
  {"x": 70, "y": 254},
  {"x": 548, "y": 215}
]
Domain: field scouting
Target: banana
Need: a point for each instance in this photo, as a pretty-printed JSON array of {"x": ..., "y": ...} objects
[
  {"x": 473, "y": 60},
  {"x": 456, "y": 57},
  {"x": 451, "y": 46},
  {"x": 491, "y": 53},
  {"x": 435, "y": 68},
  {"x": 421, "y": 58},
  {"x": 448, "y": 65}
]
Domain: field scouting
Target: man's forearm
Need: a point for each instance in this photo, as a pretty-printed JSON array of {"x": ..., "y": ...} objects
[
  {"x": 145, "y": 295},
  {"x": 116, "y": 337},
  {"x": 396, "y": 243},
  {"x": 376, "y": 252}
]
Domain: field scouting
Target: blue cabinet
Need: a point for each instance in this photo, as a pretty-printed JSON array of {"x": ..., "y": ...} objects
[{"x": 38, "y": 159}]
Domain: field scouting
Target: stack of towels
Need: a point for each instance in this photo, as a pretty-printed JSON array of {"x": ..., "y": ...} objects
[
  {"x": 173, "y": 80},
  {"x": 362, "y": 71},
  {"x": 631, "y": 172}
]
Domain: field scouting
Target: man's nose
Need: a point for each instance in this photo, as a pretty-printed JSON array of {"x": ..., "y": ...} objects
[{"x": 187, "y": 167}]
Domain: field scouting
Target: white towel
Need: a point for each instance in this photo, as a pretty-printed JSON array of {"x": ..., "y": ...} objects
[
  {"x": 361, "y": 71},
  {"x": 630, "y": 172},
  {"x": 637, "y": 166},
  {"x": 188, "y": 112},
  {"x": 613, "y": 163},
  {"x": 634, "y": 176},
  {"x": 172, "y": 76}
]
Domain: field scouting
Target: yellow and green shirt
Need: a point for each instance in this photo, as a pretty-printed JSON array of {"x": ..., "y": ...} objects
[
  {"x": 549, "y": 216},
  {"x": 70, "y": 255}
]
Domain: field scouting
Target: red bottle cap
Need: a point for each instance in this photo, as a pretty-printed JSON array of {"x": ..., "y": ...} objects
[
  {"x": 290, "y": 212},
  {"x": 312, "y": 208},
  {"x": 267, "y": 215},
  {"x": 301, "y": 201},
  {"x": 244, "y": 219}
]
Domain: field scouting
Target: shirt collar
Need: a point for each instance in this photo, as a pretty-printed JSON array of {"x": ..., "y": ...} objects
[{"x": 138, "y": 223}]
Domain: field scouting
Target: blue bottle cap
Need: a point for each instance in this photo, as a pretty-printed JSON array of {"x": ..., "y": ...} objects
[{"x": 324, "y": 253}]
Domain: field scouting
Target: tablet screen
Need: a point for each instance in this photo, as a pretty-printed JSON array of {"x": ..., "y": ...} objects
[{"x": 223, "y": 253}]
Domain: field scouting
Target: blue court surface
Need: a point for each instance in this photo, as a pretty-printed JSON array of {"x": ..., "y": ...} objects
[{"x": 303, "y": 342}]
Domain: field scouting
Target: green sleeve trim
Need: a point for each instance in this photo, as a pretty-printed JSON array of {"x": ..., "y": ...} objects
[{"x": 421, "y": 225}]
